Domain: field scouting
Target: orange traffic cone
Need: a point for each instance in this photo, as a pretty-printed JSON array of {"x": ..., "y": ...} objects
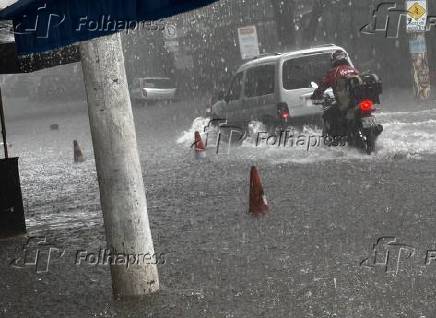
[
  {"x": 200, "y": 150},
  {"x": 258, "y": 202},
  {"x": 78, "y": 154}
]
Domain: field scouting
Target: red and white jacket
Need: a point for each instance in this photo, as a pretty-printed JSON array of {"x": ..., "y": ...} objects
[{"x": 330, "y": 80}]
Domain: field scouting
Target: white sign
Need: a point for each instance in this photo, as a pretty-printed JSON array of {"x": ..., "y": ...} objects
[
  {"x": 416, "y": 15},
  {"x": 248, "y": 42}
]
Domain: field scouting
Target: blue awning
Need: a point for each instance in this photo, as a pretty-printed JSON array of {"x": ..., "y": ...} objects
[{"x": 41, "y": 26}]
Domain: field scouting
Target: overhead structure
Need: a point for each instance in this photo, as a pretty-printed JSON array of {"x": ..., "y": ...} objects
[{"x": 41, "y": 25}]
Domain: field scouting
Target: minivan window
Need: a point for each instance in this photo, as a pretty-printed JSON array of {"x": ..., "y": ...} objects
[
  {"x": 260, "y": 81},
  {"x": 300, "y": 72},
  {"x": 157, "y": 83},
  {"x": 235, "y": 88}
]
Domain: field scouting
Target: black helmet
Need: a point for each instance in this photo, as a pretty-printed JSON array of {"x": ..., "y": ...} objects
[{"x": 339, "y": 57}]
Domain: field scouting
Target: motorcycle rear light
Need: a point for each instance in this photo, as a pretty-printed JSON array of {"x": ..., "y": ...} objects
[
  {"x": 283, "y": 111},
  {"x": 366, "y": 106}
]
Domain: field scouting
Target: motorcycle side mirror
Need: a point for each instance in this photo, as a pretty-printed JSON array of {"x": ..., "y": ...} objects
[{"x": 314, "y": 85}]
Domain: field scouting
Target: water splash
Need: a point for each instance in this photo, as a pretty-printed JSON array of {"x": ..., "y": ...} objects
[
  {"x": 406, "y": 135},
  {"x": 199, "y": 125}
]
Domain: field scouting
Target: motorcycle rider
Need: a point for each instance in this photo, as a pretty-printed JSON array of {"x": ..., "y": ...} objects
[{"x": 336, "y": 78}]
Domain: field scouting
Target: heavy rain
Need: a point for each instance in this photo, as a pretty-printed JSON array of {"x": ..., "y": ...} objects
[{"x": 254, "y": 210}]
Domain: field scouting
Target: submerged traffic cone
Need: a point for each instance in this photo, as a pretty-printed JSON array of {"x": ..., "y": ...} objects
[
  {"x": 78, "y": 154},
  {"x": 258, "y": 202},
  {"x": 200, "y": 150}
]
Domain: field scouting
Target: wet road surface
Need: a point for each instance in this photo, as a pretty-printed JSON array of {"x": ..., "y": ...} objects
[{"x": 312, "y": 256}]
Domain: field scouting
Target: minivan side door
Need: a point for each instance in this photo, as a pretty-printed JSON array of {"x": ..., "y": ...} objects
[
  {"x": 233, "y": 98},
  {"x": 259, "y": 96}
]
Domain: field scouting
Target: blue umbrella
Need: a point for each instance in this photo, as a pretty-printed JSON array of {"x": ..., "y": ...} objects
[{"x": 41, "y": 26}]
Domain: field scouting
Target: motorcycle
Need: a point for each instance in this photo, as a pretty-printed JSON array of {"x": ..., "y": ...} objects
[{"x": 357, "y": 123}]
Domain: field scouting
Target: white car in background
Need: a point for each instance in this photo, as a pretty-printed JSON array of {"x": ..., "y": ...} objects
[{"x": 149, "y": 90}]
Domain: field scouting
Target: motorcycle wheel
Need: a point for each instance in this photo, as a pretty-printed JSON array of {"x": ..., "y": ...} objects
[
  {"x": 328, "y": 133},
  {"x": 370, "y": 142},
  {"x": 325, "y": 127}
]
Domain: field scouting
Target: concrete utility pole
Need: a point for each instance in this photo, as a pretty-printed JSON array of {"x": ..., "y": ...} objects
[{"x": 119, "y": 172}]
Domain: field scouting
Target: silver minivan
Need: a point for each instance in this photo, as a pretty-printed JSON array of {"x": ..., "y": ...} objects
[{"x": 275, "y": 89}]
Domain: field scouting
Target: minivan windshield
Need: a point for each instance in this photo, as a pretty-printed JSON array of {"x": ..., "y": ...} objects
[{"x": 300, "y": 72}]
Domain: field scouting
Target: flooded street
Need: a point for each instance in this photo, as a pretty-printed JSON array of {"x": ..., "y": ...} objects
[
  {"x": 263, "y": 158},
  {"x": 311, "y": 256}
]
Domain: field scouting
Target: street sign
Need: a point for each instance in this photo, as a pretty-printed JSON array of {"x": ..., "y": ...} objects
[
  {"x": 416, "y": 16},
  {"x": 248, "y": 42}
]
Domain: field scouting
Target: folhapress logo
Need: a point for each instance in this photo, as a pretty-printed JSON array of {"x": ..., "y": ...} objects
[
  {"x": 387, "y": 17},
  {"x": 391, "y": 257},
  {"x": 41, "y": 25},
  {"x": 37, "y": 253}
]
